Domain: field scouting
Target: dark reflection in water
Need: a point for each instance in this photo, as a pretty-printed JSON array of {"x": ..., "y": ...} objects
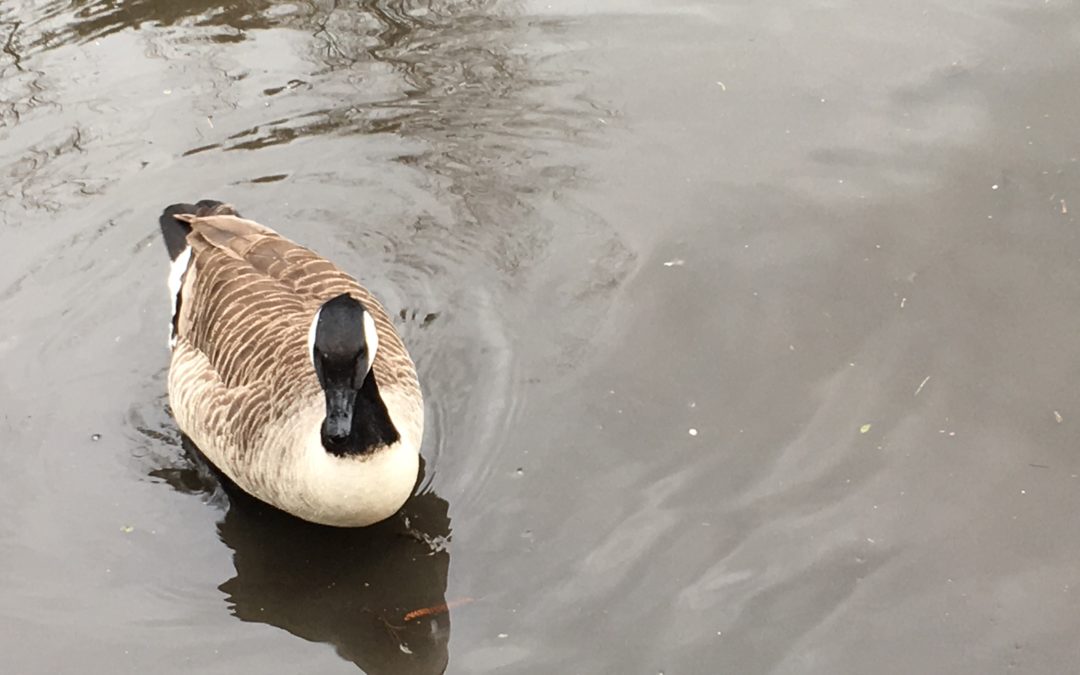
[
  {"x": 352, "y": 588},
  {"x": 66, "y": 21},
  {"x": 377, "y": 594}
]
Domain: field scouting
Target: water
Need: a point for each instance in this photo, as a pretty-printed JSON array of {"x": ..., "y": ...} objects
[{"x": 746, "y": 330}]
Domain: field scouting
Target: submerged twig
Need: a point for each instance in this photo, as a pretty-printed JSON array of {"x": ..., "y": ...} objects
[{"x": 9, "y": 47}]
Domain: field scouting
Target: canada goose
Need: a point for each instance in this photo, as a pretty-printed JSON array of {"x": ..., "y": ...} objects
[{"x": 286, "y": 373}]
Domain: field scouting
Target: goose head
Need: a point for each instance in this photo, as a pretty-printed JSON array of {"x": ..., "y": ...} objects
[{"x": 343, "y": 343}]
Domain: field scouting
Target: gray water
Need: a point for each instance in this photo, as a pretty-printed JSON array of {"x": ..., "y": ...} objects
[{"x": 748, "y": 333}]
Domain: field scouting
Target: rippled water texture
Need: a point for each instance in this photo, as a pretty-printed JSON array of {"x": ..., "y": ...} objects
[{"x": 748, "y": 332}]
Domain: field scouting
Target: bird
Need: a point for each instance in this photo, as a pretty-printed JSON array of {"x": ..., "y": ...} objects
[{"x": 286, "y": 373}]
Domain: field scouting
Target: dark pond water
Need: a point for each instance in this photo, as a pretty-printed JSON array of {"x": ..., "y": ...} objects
[{"x": 749, "y": 333}]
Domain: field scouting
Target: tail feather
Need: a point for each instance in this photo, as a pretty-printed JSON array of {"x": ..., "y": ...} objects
[{"x": 176, "y": 231}]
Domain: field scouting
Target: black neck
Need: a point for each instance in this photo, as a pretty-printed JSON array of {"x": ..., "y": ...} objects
[{"x": 371, "y": 425}]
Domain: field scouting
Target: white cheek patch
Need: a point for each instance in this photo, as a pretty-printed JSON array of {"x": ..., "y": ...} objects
[
  {"x": 372, "y": 337},
  {"x": 311, "y": 336},
  {"x": 176, "y": 282}
]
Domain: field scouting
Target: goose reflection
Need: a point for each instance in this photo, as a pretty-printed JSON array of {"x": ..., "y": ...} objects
[
  {"x": 352, "y": 588},
  {"x": 377, "y": 594}
]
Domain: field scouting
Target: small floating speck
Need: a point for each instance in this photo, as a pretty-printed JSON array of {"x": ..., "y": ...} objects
[
  {"x": 675, "y": 262},
  {"x": 921, "y": 385},
  {"x": 693, "y": 432},
  {"x": 95, "y": 437},
  {"x": 503, "y": 636},
  {"x": 404, "y": 648},
  {"x": 865, "y": 428},
  {"x": 167, "y": 92},
  {"x": 520, "y": 471},
  {"x": 994, "y": 186},
  {"x": 1057, "y": 417},
  {"x": 127, "y": 529},
  {"x": 721, "y": 85}
]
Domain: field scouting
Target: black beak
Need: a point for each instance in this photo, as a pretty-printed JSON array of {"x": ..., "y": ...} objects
[{"x": 339, "y": 413}]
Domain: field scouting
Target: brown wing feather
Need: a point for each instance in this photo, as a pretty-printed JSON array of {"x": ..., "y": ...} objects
[{"x": 253, "y": 299}]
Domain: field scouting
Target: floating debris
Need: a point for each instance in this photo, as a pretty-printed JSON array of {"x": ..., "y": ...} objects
[
  {"x": 693, "y": 431},
  {"x": 676, "y": 262},
  {"x": 437, "y": 609},
  {"x": 127, "y": 529},
  {"x": 1057, "y": 417},
  {"x": 95, "y": 437},
  {"x": 722, "y": 86},
  {"x": 865, "y": 428},
  {"x": 921, "y": 385}
]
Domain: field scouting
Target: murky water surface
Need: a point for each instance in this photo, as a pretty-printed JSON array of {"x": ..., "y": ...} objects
[{"x": 749, "y": 333}]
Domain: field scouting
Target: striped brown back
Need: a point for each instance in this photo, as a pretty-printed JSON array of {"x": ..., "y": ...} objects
[{"x": 248, "y": 307}]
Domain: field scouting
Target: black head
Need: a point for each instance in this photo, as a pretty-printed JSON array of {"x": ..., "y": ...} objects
[{"x": 343, "y": 343}]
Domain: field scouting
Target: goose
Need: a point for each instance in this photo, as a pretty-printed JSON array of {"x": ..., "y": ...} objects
[{"x": 286, "y": 373}]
